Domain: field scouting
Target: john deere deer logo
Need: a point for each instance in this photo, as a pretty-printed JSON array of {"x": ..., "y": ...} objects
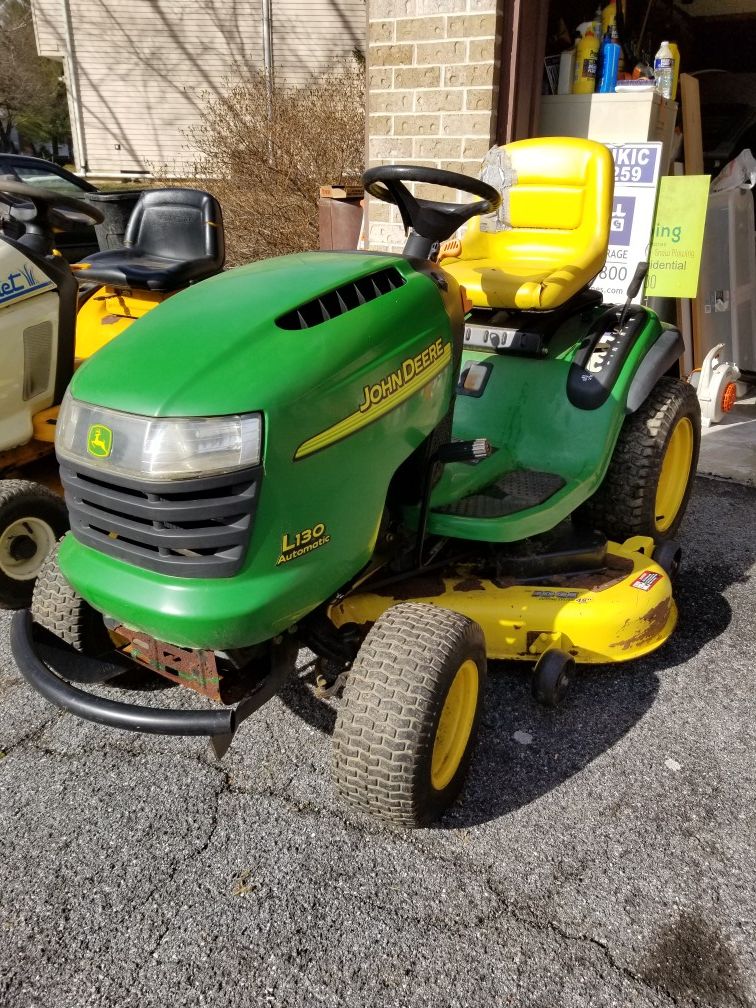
[{"x": 99, "y": 441}]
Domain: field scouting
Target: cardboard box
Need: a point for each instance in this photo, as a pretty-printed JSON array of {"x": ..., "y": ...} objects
[{"x": 612, "y": 118}]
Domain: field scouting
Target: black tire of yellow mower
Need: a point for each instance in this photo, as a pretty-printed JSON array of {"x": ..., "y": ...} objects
[
  {"x": 409, "y": 714},
  {"x": 32, "y": 519},
  {"x": 648, "y": 483},
  {"x": 59, "y": 609}
]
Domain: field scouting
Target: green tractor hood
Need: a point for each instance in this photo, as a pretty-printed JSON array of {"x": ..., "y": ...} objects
[
  {"x": 217, "y": 348},
  {"x": 350, "y": 359}
]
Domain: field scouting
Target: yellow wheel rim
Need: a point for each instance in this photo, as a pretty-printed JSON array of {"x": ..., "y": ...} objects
[
  {"x": 455, "y": 725},
  {"x": 674, "y": 476}
]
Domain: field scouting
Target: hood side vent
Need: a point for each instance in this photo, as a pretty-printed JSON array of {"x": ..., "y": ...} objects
[{"x": 342, "y": 299}]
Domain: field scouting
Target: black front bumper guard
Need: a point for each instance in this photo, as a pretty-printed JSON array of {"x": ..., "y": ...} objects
[{"x": 220, "y": 725}]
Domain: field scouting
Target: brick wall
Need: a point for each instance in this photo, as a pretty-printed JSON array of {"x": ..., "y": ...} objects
[{"x": 432, "y": 73}]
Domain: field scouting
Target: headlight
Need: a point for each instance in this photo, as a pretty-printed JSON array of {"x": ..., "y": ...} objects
[{"x": 156, "y": 449}]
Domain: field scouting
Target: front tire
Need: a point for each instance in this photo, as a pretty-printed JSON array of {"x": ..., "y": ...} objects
[
  {"x": 409, "y": 716},
  {"x": 63, "y": 612},
  {"x": 32, "y": 519},
  {"x": 650, "y": 477}
]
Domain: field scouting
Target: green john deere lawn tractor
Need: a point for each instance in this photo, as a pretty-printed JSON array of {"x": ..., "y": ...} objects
[{"x": 409, "y": 464}]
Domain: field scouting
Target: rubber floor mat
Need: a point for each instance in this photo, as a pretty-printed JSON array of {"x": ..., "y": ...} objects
[{"x": 514, "y": 491}]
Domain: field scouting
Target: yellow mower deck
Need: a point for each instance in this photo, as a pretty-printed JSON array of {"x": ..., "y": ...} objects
[{"x": 621, "y": 612}]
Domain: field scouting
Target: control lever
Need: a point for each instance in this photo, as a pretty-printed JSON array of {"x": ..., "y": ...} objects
[
  {"x": 464, "y": 451},
  {"x": 632, "y": 291},
  {"x": 603, "y": 352}
]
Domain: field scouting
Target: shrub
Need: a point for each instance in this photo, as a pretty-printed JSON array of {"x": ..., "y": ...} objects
[{"x": 264, "y": 155}]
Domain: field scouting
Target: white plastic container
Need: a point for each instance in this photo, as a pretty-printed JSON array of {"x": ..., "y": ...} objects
[{"x": 566, "y": 71}]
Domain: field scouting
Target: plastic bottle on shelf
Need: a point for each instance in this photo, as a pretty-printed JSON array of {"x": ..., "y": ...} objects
[
  {"x": 597, "y": 20},
  {"x": 664, "y": 70},
  {"x": 609, "y": 20},
  {"x": 610, "y": 58},
  {"x": 599, "y": 36},
  {"x": 586, "y": 57},
  {"x": 676, "y": 57}
]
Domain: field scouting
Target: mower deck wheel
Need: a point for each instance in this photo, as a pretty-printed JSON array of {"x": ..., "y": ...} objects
[
  {"x": 409, "y": 716},
  {"x": 32, "y": 519},
  {"x": 59, "y": 609},
  {"x": 552, "y": 675},
  {"x": 668, "y": 555}
]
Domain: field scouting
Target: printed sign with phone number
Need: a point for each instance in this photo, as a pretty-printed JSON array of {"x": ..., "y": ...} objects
[{"x": 636, "y": 178}]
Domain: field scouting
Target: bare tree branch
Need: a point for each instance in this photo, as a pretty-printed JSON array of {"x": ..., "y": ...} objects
[{"x": 266, "y": 172}]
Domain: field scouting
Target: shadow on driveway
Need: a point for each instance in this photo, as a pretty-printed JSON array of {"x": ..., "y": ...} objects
[{"x": 604, "y": 703}]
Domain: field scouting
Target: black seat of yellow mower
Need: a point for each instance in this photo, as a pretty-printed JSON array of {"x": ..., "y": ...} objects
[{"x": 174, "y": 237}]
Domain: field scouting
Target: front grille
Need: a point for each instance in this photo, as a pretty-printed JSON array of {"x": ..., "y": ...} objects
[{"x": 185, "y": 528}]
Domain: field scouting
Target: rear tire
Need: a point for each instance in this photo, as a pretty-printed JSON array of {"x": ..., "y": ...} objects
[
  {"x": 32, "y": 519},
  {"x": 409, "y": 716},
  {"x": 649, "y": 479}
]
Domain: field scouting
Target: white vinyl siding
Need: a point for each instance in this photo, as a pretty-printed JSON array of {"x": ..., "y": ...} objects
[
  {"x": 308, "y": 37},
  {"x": 144, "y": 66},
  {"x": 47, "y": 18}
]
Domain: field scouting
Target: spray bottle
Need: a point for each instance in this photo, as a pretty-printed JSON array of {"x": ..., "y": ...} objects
[
  {"x": 586, "y": 56},
  {"x": 609, "y": 19},
  {"x": 610, "y": 58},
  {"x": 597, "y": 18}
]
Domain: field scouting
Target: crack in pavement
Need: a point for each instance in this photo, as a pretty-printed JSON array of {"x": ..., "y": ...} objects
[
  {"x": 179, "y": 863},
  {"x": 31, "y": 737}
]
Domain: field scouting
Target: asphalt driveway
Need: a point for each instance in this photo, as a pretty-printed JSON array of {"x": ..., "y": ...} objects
[{"x": 603, "y": 854}]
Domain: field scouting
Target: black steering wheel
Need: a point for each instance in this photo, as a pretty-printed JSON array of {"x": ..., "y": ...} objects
[
  {"x": 53, "y": 211},
  {"x": 430, "y": 219}
]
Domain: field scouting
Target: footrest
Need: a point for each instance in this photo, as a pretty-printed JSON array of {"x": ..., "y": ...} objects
[{"x": 514, "y": 491}]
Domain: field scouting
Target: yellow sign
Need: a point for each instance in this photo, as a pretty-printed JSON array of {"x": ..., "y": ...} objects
[
  {"x": 677, "y": 238},
  {"x": 99, "y": 441}
]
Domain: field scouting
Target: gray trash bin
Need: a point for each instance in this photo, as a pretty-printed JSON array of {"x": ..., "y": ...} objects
[{"x": 116, "y": 207}]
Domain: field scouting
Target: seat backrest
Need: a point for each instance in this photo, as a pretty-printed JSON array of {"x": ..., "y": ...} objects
[
  {"x": 185, "y": 224},
  {"x": 561, "y": 202}
]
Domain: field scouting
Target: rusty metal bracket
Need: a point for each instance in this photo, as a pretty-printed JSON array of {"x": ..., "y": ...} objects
[{"x": 187, "y": 667}]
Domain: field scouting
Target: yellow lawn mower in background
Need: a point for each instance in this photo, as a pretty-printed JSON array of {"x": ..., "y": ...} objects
[{"x": 49, "y": 323}]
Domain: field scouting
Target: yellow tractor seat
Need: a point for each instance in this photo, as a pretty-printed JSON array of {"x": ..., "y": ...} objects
[{"x": 560, "y": 215}]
